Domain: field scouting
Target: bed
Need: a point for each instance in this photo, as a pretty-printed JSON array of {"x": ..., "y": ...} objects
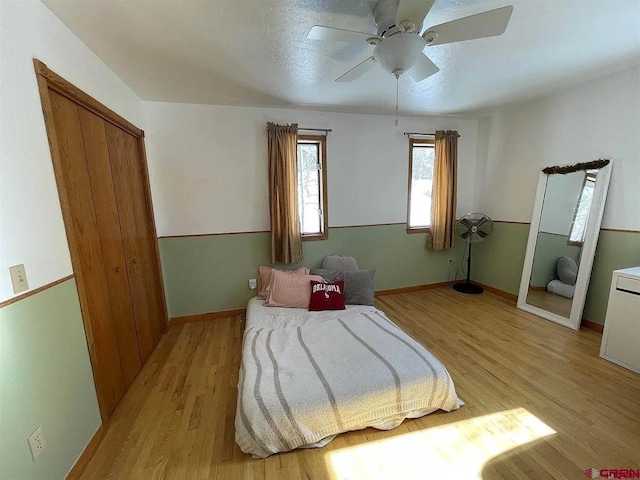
[{"x": 307, "y": 376}]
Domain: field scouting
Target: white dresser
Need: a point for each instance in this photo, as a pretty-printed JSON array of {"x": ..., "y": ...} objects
[{"x": 621, "y": 336}]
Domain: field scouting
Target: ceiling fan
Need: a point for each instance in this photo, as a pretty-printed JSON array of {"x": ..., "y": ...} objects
[{"x": 399, "y": 45}]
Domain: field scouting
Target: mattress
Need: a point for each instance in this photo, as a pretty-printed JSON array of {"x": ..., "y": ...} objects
[{"x": 308, "y": 376}]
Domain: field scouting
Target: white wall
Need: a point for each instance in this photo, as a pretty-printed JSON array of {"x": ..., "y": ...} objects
[
  {"x": 32, "y": 231},
  {"x": 598, "y": 119},
  {"x": 208, "y": 165}
]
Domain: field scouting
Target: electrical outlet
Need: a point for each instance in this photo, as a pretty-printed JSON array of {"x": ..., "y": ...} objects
[
  {"x": 253, "y": 283},
  {"x": 18, "y": 278},
  {"x": 37, "y": 442}
]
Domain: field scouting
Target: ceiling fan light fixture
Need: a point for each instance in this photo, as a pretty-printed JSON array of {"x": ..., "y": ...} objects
[{"x": 399, "y": 52}]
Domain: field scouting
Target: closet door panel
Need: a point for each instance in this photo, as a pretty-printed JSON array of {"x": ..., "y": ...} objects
[
  {"x": 99, "y": 168},
  {"x": 149, "y": 273},
  {"x": 89, "y": 262},
  {"x": 137, "y": 237}
]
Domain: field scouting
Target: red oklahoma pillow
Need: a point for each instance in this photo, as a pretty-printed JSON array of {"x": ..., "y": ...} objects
[{"x": 326, "y": 296}]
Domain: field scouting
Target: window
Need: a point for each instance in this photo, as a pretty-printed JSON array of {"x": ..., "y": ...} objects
[
  {"x": 581, "y": 216},
  {"x": 312, "y": 187},
  {"x": 421, "y": 159}
]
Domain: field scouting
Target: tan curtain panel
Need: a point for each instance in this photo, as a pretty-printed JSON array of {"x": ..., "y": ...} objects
[
  {"x": 443, "y": 196},
  {"x": 286, "y": 239}
]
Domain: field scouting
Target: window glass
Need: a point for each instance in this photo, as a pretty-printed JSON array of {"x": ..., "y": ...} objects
[
  {"x": 583, "y": 208},
  {"x": 421, "y": 182},
  {"x": 311, "y": 188}
]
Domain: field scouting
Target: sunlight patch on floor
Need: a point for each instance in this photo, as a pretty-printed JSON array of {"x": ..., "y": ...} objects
[{"x": 455, "y": 450}]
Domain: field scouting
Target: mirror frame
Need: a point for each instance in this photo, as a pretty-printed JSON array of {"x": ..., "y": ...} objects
[{"x": 588, "y": 248}]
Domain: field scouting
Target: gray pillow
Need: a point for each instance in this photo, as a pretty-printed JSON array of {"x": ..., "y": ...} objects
[
  {"x": 328, "y": 275},
  {"x": 358, "y": 287},
  {"x": 567, "y": 270},
  {"x": 340, "y": 262}
]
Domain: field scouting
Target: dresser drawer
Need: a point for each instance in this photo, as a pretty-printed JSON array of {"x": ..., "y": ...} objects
[{"x": 630, "y": 285}]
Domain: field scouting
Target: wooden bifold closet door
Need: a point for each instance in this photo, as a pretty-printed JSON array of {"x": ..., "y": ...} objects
[{"x": 102, "y": 180}]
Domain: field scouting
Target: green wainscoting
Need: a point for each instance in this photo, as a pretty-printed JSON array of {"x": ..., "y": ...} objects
[
  {"x": 210, "y": 273},
  {"x": 498, "y": 262},
  {"x": 549, "y": 248},
  {"x": 615, "y": 250},
  {"x": 45, "y": 379}
]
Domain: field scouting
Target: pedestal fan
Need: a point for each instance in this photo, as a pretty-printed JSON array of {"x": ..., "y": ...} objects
[{"x": 472, "y": 228}]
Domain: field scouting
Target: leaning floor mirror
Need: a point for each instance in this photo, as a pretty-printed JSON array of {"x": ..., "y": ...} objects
[{"x": 562, "y": 241}]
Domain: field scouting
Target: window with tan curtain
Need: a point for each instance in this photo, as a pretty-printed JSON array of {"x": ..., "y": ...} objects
[
  {"x": 443, "y": 196},
  {"x": 286, "y": 239}
]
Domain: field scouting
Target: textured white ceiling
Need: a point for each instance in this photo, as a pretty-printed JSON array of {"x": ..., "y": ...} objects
[{"x": 255, "y": 52}]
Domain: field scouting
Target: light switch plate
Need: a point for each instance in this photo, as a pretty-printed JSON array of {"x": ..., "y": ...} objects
[{"x": 19, "y": 278}]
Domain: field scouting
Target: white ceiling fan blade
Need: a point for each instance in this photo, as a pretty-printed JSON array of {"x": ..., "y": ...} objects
[
  {"x": 413, "y": 11},
  {"x": 318, "y": 32},
  {"x": 358, "y": 70},
  {"x": 422, "y": 69},
  {"x": 482, "y": 25}
]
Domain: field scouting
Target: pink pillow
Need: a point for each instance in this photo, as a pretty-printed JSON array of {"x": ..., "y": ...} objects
[
  {"x": 292, "y": 291},
  {"x": 264, "y": 274}
]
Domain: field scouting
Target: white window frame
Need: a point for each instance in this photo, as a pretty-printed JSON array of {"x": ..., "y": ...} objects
[
  {"x": 428, "y": 142},
  {"x": 321, "y": 141}
]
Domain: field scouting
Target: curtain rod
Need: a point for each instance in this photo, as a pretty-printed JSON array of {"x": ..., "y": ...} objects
[
  {"x": 423, "y": 134},
  {"x": 326, "y": 130}
]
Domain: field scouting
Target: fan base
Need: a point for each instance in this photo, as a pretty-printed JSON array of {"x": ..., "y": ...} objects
[{"x": 469, "y": 288}]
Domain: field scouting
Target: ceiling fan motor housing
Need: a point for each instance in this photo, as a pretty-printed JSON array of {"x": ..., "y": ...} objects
[{"x": 384, "y": 14}]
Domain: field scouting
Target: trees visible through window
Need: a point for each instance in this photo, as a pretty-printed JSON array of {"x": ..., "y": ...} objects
[
  {"x": 312, "y": 197},
  {"x": 583, "y": 207},
  {"x": 421, "y": 160}
]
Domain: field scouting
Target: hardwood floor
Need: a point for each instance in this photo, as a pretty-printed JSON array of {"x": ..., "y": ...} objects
[
  {"x": 539, "y": 403},
  {"x": 550, "y": 302}
]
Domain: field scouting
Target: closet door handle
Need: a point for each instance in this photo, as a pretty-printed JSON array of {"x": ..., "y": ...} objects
[
  {"x": 117, "y": 269},
  {"x": 135, "y": 260}
]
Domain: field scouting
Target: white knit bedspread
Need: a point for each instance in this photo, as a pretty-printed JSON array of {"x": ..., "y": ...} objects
[{"x": 302, "y": 383}]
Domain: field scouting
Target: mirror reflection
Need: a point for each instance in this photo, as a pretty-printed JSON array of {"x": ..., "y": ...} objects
[{"x": 565, "y": 214}]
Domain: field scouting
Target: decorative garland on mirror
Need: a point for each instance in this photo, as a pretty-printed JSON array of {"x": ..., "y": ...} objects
[{"x": 593, "y": 165}]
